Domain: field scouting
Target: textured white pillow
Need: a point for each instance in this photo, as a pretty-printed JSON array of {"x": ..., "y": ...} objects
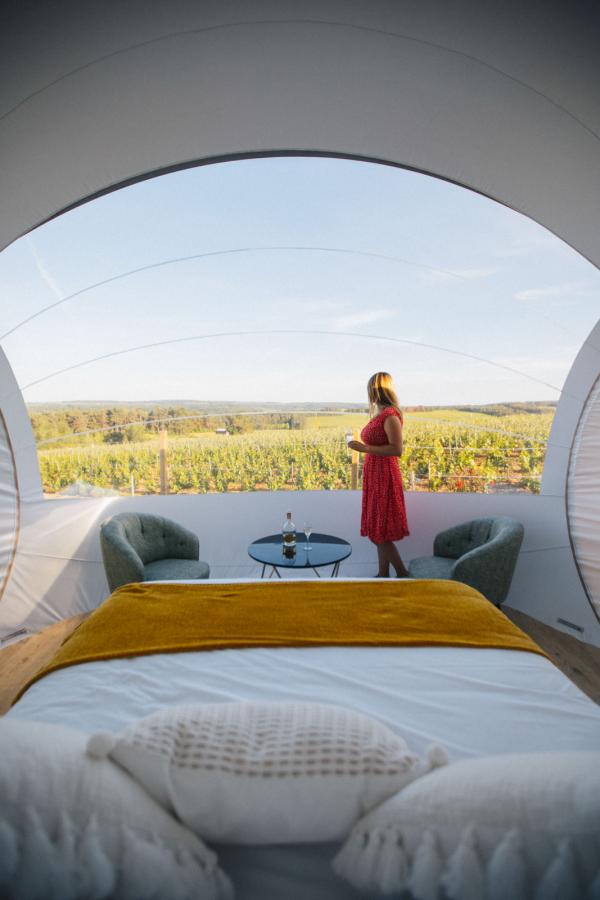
[
  {"x": 72, "y": 827},
  {"x": 514, "y": 827},
  {"x": 262, "y": 773}
]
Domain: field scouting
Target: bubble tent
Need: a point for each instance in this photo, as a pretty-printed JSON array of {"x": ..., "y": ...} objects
[{"x": 504, "y": 103}]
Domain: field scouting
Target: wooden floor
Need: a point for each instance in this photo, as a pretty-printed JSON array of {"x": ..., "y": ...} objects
[
  {"x": 20, "y": 661},
  {"x": 579, "y": 662}
]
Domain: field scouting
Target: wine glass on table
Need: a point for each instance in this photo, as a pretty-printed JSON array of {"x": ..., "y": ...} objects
[{"x": 307, "y": 529}]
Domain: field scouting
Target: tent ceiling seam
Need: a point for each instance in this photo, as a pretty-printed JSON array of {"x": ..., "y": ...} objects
[
  {"x": 351, "y": 334},
  {"x": 307, "y": 21},
  {"x": 214, "y": 253},
  {"x": 265, "y": 249}
]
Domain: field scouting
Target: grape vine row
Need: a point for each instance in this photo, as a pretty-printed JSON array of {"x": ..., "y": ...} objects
[{"x": 439, "y": 456}]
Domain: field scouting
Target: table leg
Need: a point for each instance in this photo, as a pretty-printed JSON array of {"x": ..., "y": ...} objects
[
  {"x": 262, "y": 574},
  {"x": 274, "y": 571},
  {"x": 315, "y": 571},
  {"x": 335, "y": 570}
]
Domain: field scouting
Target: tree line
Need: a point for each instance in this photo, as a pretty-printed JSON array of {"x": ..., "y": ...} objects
[{"x": 131, "y": 424}]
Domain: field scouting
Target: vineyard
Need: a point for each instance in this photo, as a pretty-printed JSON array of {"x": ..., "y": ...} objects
[{"x": 448, "y": 450}]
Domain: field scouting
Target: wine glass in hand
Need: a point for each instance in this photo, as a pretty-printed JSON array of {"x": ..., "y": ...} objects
[{"x": 307, "y": 529}]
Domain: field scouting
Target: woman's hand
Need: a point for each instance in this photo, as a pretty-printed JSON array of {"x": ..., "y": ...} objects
[{"x": 357, "y": 445}]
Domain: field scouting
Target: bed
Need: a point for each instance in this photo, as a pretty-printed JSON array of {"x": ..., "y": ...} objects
[{"x": 476, "y": 701}]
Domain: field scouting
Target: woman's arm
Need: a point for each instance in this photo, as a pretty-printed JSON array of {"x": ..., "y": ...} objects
[{"x": 393, "y": 429}]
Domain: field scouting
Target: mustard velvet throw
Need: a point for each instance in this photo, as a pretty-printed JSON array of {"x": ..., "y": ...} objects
[{"x": 140, "y": 619}]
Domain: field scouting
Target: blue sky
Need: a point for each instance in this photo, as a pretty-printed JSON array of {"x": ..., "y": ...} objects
[{"x": 391, "y": 259}]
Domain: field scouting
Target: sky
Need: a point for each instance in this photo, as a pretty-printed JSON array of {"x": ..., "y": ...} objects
[{"x": 293, "y": 279}]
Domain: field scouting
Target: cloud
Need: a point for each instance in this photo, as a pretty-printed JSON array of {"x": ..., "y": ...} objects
[
  {"x": 312, "y": 304},
  {"x": 46, "y": 276},
  {"x": 560, "y": 361},
  {"x": 431, "y": 279},
  {"x": 365, "y": 317},
  {"x": 520, "y": 236},
  {"x": 470, "y": 274},
  {"x": 552, "y": 291}
]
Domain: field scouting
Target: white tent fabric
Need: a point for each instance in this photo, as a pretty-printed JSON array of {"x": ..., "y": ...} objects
[
  {"x": 9, "y": 506},
  {"x": 501, "y": 98},
  {"x": 584, "y": 496}
]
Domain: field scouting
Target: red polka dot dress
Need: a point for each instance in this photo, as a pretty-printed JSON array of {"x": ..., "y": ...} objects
[{"x": 383, "y": 510}]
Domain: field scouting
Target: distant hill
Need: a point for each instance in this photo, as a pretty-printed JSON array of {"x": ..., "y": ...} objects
[
  {"x": 511, "y": 409},
  {"x": 214, "y": 407},
  {"x": 117, "y": 422},
  {"x": 210, "y": 407}
]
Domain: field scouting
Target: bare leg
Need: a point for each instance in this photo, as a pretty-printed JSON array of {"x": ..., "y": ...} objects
[
  {"x": 390, "y": 554},
  {"x": 384, "y": 563}
]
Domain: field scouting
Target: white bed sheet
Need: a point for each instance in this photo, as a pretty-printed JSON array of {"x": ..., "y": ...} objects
[{"x": 474, "y": 701}]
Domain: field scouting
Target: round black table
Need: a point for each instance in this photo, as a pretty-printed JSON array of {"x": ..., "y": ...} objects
[{"x": 326, "y": 550}]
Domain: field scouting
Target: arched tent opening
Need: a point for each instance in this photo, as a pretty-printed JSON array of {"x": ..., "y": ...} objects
[
  {"x": 448, "y": 331},
  {"x": 458, "y": 98}
]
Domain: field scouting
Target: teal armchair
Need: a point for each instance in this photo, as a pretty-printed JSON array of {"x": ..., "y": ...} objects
[
  {"x": 481, "y": 553},
  {"x": 142, "y": 547}
]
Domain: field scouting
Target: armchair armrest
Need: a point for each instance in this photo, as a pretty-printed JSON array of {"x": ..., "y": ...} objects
[
  {"x": 490, "y": 567},
  {"x": 121, "y": 562},
  {"x": 472, "y": 565}
]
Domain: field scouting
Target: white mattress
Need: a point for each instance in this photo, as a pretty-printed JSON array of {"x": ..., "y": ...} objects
[{"x": 474, "y": 701}]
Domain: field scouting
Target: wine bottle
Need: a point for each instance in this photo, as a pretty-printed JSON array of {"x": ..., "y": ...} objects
[{"x": 288, "y": 532}]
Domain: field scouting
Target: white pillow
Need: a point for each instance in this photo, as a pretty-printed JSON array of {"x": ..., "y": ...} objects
[
  {"x": 512, "y": 827},
  {"x": 263, "y": 773},
  {"x": 72, "y": 827}
]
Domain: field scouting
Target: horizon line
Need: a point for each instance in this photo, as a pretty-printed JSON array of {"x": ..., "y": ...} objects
[{"x": 321, "y": 403}]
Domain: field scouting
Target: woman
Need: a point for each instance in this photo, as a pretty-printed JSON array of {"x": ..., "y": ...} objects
[{"x": 383, "y": 511}]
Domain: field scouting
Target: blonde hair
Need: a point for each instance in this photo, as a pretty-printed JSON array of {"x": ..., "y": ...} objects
[{"x": 380, "y": 389}]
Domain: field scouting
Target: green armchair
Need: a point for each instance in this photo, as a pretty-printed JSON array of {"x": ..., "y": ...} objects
[
  {"x": 141, "y": 547},
  {"x": 481, "y": 553}
]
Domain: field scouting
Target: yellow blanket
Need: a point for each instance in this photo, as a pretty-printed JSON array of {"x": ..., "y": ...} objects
[{"x": 139, "y": 619}]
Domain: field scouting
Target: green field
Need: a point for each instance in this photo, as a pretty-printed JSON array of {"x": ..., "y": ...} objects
[{"x": 445, "y": 450}]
